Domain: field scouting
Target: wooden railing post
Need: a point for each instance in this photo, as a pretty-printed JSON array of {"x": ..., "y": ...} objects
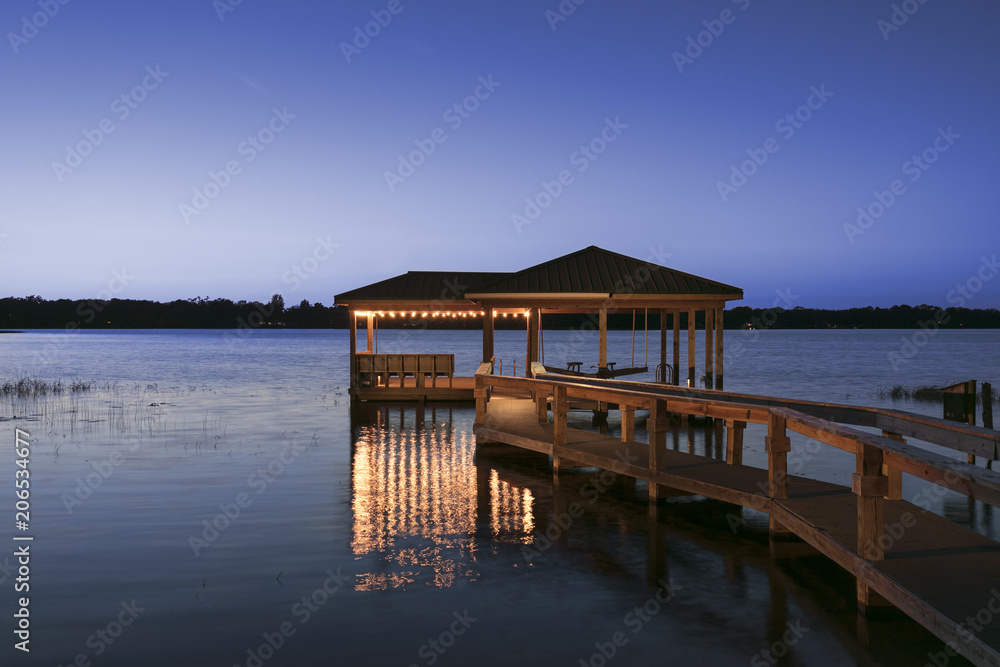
[
  {"x": 777, "y": 444},
  {"x": 871, "y": 487},
  {"x": 628, "y": 423},
  {"x": 560, "y": 407},
  {"x": 542, "y": 404},
  {"x": 734, "y": 442},
  {"x": 482, "y": 391},
  {"x": 893, "y": 475},
  {"x": 657, "y": 425}
]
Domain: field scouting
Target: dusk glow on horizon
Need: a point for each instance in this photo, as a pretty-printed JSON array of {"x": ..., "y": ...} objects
[{"x": 843, "y": 153}]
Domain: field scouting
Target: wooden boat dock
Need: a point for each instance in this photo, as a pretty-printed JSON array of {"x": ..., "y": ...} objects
[{"x": 944, "y": 576}]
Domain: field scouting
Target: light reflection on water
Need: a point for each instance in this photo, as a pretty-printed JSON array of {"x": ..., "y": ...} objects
[{"x": 416, "y": 496}]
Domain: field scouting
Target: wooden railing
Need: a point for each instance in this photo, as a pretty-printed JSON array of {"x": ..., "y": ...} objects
[{"x": 880, "y": 459}]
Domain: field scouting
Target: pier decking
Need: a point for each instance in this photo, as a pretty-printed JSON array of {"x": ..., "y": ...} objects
[{"x": 943, "y": 575}]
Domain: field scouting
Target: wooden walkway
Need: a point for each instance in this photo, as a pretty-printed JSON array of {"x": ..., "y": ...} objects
[{"x": 944, "y": 576}]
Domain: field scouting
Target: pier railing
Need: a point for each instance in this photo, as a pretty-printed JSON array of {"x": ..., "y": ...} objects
[{"x": 880, "y": 458}]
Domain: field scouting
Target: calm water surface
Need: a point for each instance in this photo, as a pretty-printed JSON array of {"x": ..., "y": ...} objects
[{"x": 378, "y": 538}]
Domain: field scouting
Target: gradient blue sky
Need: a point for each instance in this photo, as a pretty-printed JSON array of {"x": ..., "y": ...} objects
[{"x": 653, "y": 193}]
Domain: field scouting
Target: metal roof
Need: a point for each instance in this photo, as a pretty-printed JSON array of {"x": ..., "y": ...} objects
[
  {"x": 424, "y": 286},
  {"x": 596, "y": 270},
  {"x": 592, "y": 270}
]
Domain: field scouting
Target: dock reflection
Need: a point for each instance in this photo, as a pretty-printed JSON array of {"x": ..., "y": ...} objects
[{"x": 420, "y": 502}]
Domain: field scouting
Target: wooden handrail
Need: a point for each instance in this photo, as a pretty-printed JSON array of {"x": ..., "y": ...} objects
[
  {"x": 964, "y": 438},
  {"x": 938, "y": 469}
]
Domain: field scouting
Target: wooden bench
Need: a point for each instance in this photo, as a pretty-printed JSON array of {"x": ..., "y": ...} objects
[{"x": 373, "y": 370}]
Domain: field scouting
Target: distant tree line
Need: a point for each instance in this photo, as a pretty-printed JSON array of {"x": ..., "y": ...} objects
[
  {"x": 202, "y": 313},
  {"x": 197, "y": 313}
]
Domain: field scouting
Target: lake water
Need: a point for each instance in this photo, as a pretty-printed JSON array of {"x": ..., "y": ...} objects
[{"x": 378, "y": 538}]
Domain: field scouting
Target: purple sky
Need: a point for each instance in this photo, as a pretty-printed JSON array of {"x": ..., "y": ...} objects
[{"x": 196, "y": 148}]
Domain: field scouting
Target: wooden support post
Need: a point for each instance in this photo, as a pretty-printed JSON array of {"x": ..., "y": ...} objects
[
  {"x": 657, "y": 424},
  {"x": 691, "y": 318},
  {"x": 871, "y": 487},
  {"x": 542, "y": 405},
  {"x": 354, "y": 348},
  {"x": 777, "y": 444},
  {"x": 532, "y": 355},
  {"x": 487, "y": 333},
  {"x": 371, "y": 330},
  {"x": 480, "y": 394},
  {"x": 628, "y": 423},
  {"x": 893, "y": 475},
  {"x": 603, "y": 358},
  {"x": 987, "y": 405},
  {"x": 676, "y": 321},
  {"x": 663, "y": 346},
  {"x": 709, "y": 347},
  {"x": 734, "y": 442},
  {"x": 718, "y": 348},
  {"x": 560, "y": 406}
]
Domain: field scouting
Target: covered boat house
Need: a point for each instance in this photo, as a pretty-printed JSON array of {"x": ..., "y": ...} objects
[{"x": 592, "y": 281}]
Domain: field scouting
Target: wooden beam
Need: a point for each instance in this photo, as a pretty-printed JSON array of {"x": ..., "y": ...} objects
[
  {"x": 691, "y": 378},
  {"x": 709, "y": 347},
  {"x": 560, "y": 408},
  {"x": 628, "y": 423},
  {"x": 676, "y": 321},
  {"x": 663, "y": 345},
  {"x": 603, "y": 363},
  {"x": 870, "y": 486},
  {"x": 532, "y": 327},
  {"x": 354, "y": 348},
  {"x": 894, "y": 475},
  {"x": 718, "y": 347},
  {"x": 488, "y": 334},
  {"x": 371, "y": 331},
  {"x": 734, "y": 441}
]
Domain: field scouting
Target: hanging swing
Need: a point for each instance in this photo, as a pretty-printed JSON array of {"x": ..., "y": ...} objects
[
  {"x": 633, "y": 369},
  {"x": 573, "y": 367}
]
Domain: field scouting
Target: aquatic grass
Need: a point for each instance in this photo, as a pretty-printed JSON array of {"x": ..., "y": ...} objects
[{"x": 921, "y": 394}]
